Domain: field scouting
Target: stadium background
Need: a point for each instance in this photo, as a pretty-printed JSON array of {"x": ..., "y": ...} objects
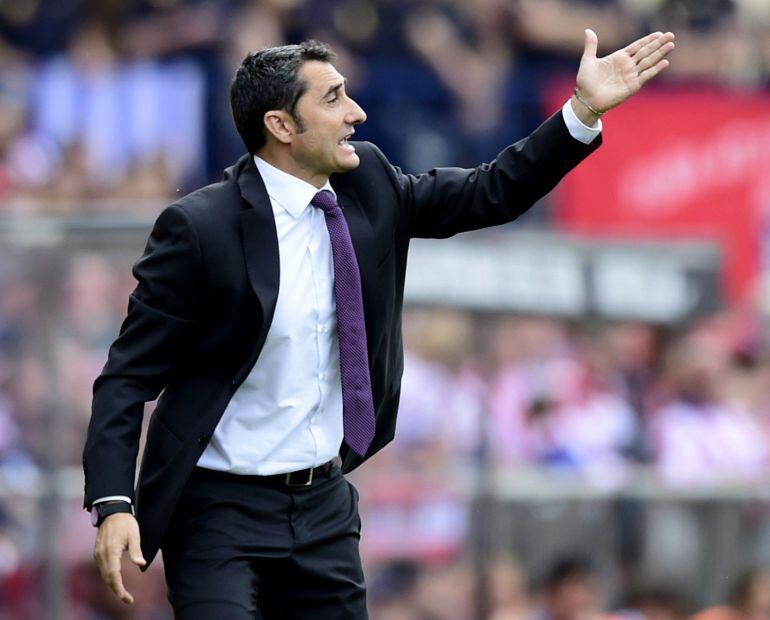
[{"x": 590, "y": 382}]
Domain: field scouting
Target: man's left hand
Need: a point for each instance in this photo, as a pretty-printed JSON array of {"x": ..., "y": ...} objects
[{"x": 606, "y": 82}]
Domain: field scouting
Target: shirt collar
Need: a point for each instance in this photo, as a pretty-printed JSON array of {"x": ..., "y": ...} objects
[{"x": 286, "y": 190}]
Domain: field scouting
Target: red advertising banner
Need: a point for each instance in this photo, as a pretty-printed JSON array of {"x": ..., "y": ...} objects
[{"x": 679, "y": 165}]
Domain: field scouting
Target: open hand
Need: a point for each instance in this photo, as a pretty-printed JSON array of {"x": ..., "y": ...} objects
[
  {"x": 118, "y": 533},
  {"x": 606, "y": 82}
]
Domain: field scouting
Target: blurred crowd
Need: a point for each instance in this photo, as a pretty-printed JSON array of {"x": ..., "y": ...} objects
[
  {"x": 588, "y": 399},
  {"x": 120, "y": 104},
  {"x": 571, "y": 588},
  {"x": 595, "y": 404}
]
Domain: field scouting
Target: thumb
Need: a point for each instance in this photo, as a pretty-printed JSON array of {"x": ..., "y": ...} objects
[
  {"x": 135, "y": 551},
  {"x": 591, "y": 43}
]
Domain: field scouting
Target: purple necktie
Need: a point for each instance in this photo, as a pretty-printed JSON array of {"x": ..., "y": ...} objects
[{"x": 357, "y": 404}]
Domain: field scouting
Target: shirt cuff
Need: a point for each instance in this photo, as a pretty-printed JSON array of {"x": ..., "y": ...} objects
[
  {"x": 577, "y": 129},
  {"x": 112, "y": 498}
]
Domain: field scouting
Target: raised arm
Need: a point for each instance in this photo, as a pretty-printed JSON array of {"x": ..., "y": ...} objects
[{"x": 446, "y": 201}]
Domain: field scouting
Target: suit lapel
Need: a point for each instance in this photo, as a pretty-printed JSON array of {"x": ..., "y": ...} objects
[
  {"x": 260, "y": 239},
  {"x": 260, "y": 243}
]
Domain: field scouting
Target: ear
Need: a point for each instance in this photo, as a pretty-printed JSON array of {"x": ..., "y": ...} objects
[{"x": 280, "y": 125}]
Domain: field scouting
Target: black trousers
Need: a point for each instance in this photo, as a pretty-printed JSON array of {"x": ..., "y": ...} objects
[{"x": 241, "y": 547}]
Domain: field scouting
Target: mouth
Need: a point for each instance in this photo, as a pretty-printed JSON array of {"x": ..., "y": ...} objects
[{"x": 345, "y": 144}]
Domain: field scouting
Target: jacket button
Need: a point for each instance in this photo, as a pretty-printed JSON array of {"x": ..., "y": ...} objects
[
  {"x": 203, "y": 438},
  {"x": 233, "y": 385}
]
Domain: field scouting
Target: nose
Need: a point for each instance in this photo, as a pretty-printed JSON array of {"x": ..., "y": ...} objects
[{"x": 356, "y": 116}]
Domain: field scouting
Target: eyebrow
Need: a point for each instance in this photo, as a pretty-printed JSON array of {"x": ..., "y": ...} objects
[{"x": 335, "y": 87}]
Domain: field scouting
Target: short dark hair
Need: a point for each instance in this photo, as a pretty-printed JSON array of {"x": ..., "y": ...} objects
[
  {"x": 268, "y": 80},
  {"x": 567, "y": 568}
]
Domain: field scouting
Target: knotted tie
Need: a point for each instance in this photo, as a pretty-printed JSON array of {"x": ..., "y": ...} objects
[{"x": 357, "y": 404}]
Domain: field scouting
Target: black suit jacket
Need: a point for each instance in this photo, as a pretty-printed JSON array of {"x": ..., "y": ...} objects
[{"x": 207, "y": 289}]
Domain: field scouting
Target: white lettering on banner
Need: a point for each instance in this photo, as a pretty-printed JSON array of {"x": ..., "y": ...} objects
[
  {"x": 551, "y": 274},
  {"x": 664, "y": 181},
  {"x": 498, "y": 277},
  {"x": 655, "y": 290}
]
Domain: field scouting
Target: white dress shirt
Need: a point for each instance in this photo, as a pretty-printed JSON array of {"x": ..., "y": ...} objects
[{"x": 287, "y": 414}]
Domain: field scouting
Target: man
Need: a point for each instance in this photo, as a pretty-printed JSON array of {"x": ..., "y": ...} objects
[
  {"x": 571, "y": 591},
  {"x": 268, "y": 311}
]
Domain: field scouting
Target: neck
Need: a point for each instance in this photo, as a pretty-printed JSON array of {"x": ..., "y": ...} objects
[{"x": 286, "y": 163}]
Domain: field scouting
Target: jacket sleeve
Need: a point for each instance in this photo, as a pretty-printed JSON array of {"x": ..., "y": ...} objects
[
  {"x": 162, "y": 312},
  {"x": 446, "y": 201}
]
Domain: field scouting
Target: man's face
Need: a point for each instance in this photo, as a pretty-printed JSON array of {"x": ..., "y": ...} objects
[{"x": 328, "y": 116}]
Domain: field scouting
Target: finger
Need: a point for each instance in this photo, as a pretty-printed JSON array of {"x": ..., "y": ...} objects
[
  {"x": 640, "y": 43},
  {"x": 652, "y": 47},
  {"x": 115, "y": 579},
  {"x": 101, "y": 555},
  {"x": 135, "y": 551},
  {"x": 646, "y": 75},
  {"x": 654, "y": 58},
  {"x": 101, "y": 563},
  {"x": 591, "y": 43}
]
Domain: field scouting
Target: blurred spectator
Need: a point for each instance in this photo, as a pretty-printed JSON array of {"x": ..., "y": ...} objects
[
  {"x": 445, "y": 592},
  {"x": 555, "y": 27},
  {"x": 191, "y": 33},
  {"x": 655, "y": 603},
  {"x": 699, "y": 436},
  {"x": 14, "y": 86},
  {"x": 558, "y": 402},
  {"x": 439, "y": 343},
  {"x": 750, "y": 599},
  {"x": 391, "y": 591},
  {"x": 714, "y": 43},
  {"x": 115, "y": 117},
  {"x": 533, "y": 364},
  {"x": 508, "y": 591},
  {"x": 42, "y": 26},
  {"x": 475, "y": 72},
  {"x": 631, "y": 349},
  {"x": 570, "y": 591}
]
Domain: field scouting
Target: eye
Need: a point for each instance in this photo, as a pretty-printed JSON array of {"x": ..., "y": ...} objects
[{"x": 333, "y": 99}]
